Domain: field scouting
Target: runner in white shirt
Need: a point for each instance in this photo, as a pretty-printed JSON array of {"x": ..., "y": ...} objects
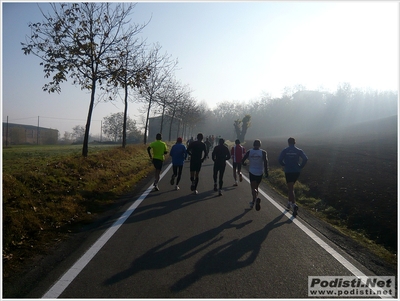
[{"x": 258, "y": 165}]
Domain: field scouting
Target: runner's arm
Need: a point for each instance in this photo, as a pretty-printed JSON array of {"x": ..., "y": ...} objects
[
  {"x": 265, "y": 163},
  {"x": 205, "y": 152},
  {"x": 304, "y": 159},
  {"x": 228, "y": 154},
  {"x": 245, "y": 158},
  {"x": 148, "y": 151}
]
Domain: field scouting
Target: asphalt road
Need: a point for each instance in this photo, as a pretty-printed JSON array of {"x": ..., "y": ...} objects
[{"x": 174, "y": 244}]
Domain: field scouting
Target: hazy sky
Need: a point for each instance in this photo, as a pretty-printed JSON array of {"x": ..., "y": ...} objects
[{"x": 227, "y": 51}]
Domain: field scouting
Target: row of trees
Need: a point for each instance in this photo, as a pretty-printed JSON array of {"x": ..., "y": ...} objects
[
  {"x": 99, "y": 49},
  {"x": 298, "y": 111}
]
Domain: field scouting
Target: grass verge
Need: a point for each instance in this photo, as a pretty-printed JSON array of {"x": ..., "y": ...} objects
[{"x": 46, "y": 192}]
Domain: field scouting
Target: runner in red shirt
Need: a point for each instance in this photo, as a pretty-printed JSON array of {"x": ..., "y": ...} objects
[{"x": 237, "y": 153}]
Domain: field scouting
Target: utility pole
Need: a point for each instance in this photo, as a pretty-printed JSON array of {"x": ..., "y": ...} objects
[
  {"x": 7, "y": 133},
  {"x": 37, "y": 134}
]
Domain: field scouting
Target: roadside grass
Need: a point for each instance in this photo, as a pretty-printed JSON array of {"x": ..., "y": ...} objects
[
  {"x": 320, "y": 209},
  {"x": 49, "y": 190}
]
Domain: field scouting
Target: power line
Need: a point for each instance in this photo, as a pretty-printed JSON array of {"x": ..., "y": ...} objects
[
  {"x": 56, "y": 118},
  {"x": 26, "y": 118},
  {"x": 67, "y": 118}
]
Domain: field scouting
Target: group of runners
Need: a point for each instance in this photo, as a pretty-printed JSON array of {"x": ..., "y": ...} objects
[{"x": 292, "y": 158}]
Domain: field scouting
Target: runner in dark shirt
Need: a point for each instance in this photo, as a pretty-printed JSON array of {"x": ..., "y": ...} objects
[
  {"x": 198, "y": 153},
  {"x": 219, "y": 155}
]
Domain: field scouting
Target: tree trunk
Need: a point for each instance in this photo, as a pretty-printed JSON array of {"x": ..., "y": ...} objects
[
  {"x": 162, "y": 120},
  {"x": 170, "y": 125},
  {"x": 147, "y": 122},
  {"x": 125, "y": 117},
  {"x": 85, "y": 149}
]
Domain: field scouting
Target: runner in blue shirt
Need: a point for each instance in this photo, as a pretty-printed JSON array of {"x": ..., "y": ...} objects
[
  {"x": 290, "y": 159},
  {"x": 178, "y": 153}
]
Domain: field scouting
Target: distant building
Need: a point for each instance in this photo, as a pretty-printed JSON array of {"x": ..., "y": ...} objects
[
  {"x": 155, "y": 127},
  {"x": 14, "y": 134}
]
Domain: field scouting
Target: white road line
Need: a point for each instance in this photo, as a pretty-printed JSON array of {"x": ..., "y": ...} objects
[
  {"x": 343, "y": 261},
  {"x": 57, "y": 289}
]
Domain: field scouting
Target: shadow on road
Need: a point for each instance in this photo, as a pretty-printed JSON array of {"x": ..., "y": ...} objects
[
  {"x": 145, "y": 212},
  {"x": 160, "y": 257},
  {"x": 233, "y": 255},
  {"x": 221, "y": 259}
]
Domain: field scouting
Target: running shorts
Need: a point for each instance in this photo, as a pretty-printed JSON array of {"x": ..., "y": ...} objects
[
  {"x": 158, "y": 164},
  {"x": 195, "y": 165},
  {"x": 291, "y": 177},
  {"x": 254, "y": 178},
  {"x": 237, "y": 166}
]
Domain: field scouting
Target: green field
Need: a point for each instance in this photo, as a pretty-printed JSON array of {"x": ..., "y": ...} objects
[{"x": 17, "y": 157}]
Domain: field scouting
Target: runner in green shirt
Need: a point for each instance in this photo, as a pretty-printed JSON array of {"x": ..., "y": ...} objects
[{"x": 159, "y": 150}]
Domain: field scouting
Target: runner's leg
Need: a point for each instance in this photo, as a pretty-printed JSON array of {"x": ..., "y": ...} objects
[
  {"x": 179, "y": 174},
  {"x": 221, "y": 176}
]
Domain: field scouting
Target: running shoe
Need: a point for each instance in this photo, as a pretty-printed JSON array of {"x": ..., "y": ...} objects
[
  {"x": 215, "y": 187},
  {"x": 295, "y": 209},
  {"x": 251, "y": 204},
  {"x": 258, "y": 207},
  {"x": 177, "y": 187},
  {"x": 220, "y": 192},
  {"x": 193, "y": 187},
  {"x": 236, "y": 184},
  {"x": 156, "y": 188},
  {"x": 240, "y": 177},
  {"x": 172, "y": 180},
  {"x": 288, "y": 207},
  {"x": 195, "y": 192}
]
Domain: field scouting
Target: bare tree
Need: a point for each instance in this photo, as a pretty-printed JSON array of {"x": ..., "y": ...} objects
[
  {"x": 167, "y": 99},
  {"x": 190, "y": 114},
  {"x": 79, "y": 40},
  {"x": 161, "y": 68},
  {"x": 132, "y": 69},
  {"x": 180, "y": 94},
  {"x": 241, "y": 127}
]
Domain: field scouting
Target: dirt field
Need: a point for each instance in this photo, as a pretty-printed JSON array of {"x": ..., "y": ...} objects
[{"x": 354, "y": 170}]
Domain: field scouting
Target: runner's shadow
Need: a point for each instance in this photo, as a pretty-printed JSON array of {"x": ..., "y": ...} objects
[
  {"x": 160, "y": 257},
  {"x": 233, "y": 255},
  {"x": 148, "y": 211}
]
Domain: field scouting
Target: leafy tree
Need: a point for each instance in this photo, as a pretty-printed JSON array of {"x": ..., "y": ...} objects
[
  {"x": 113, "y": 126},
  {"x": 67, "y": 138},
  {"x": 78, "y": 133},
  {"x": 79, "y": 40}
]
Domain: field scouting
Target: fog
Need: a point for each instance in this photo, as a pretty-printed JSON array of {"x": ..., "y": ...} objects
[{"x": 302, "y": 113}]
